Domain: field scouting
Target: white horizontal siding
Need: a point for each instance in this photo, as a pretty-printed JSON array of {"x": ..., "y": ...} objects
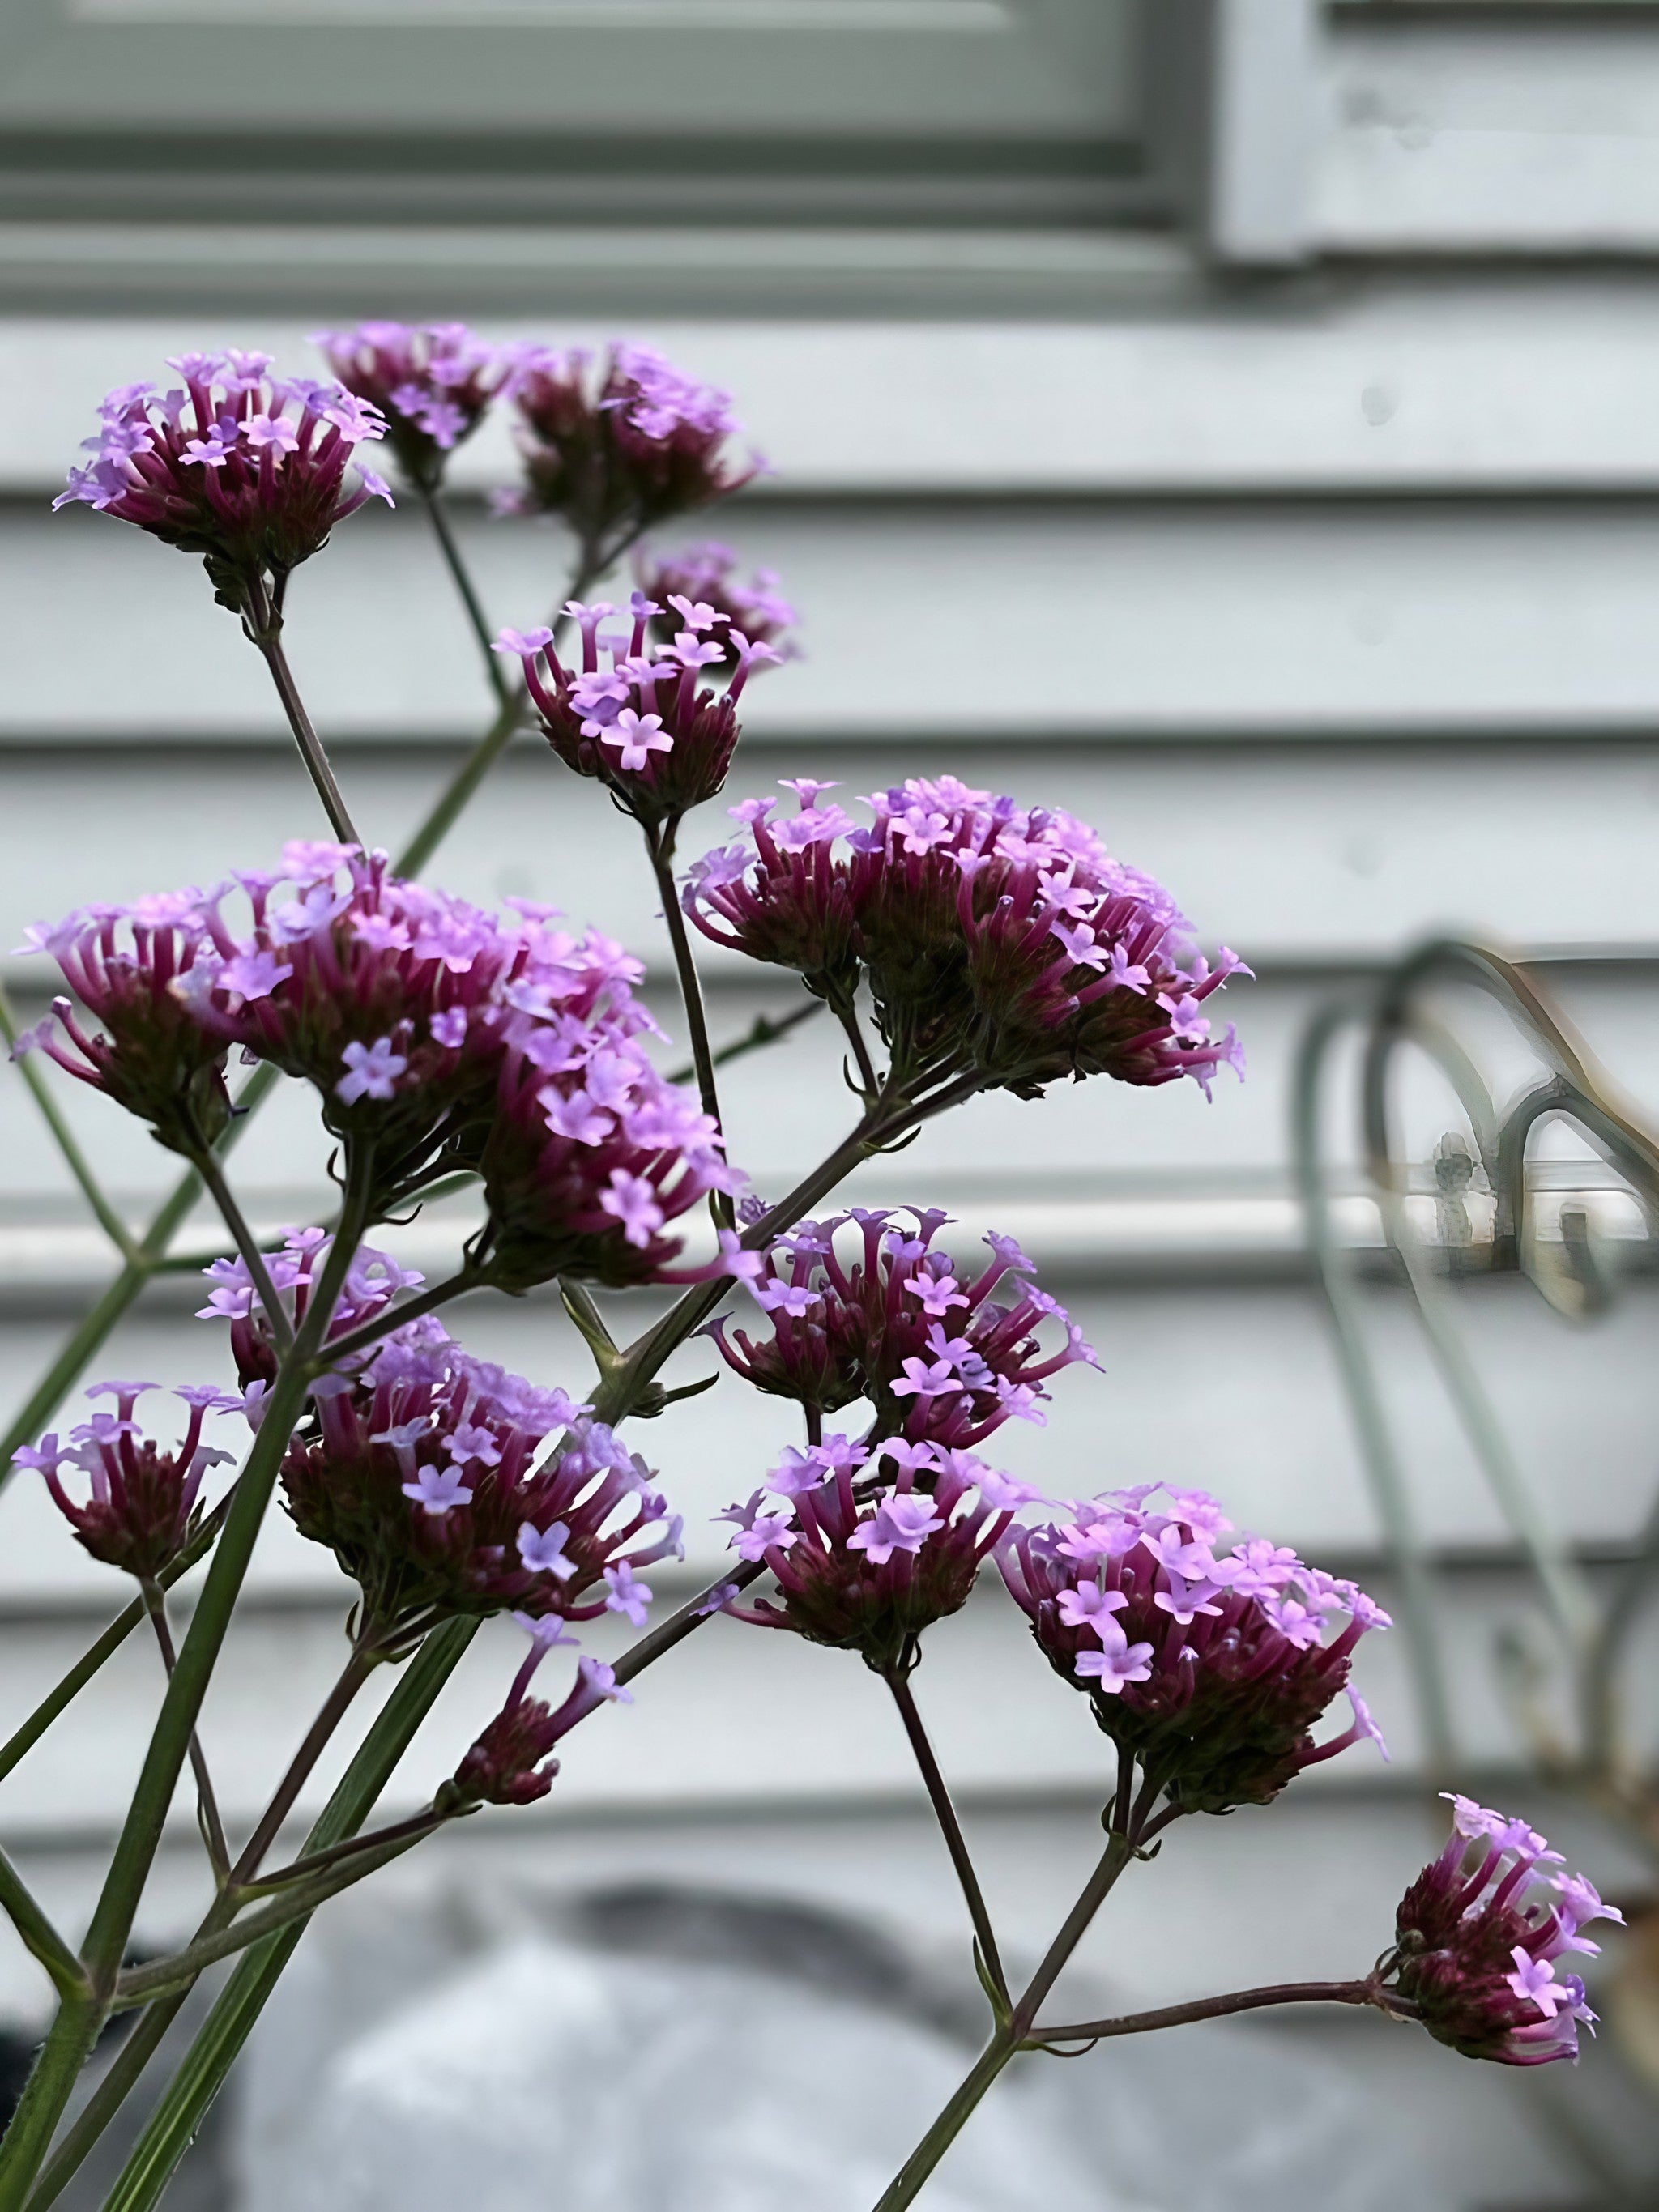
[
  {"x": 1027, "y": 623},
  {"x": 1379, "y": 381},
  {"x": 1507, "y": 135}
]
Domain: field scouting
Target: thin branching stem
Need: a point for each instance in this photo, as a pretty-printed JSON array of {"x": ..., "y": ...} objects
[
  {"x": 264, "y": 624},
  {"x": 432, "y": 500},
  {"x": 956, "y": 1843},
  {"x": 64, "y": 1138},
  {"x": 207, "y": 1802}
]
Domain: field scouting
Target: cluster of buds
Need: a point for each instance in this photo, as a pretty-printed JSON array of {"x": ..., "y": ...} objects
[
  {"x": 154, "y": 1059},
  {"x": 997, "y": 942},
  {"x": 1210, "y": 1666},
  {"x": 503, "y": 1766},
  {"x": 940, "y": 1360},
  {"x": 706, "y": 576},
  {"x": 871, "y": 1546},
  {"x": 423, "y": 1477},
  {"x": 142, "y": 1511},
  {"x": 249, "y": 471},
  {"x": 451, "y": 1038},
  {"x": 294, "y": 1273},
  {"x": 640, "y": 721},
  {"x": 616, "y": 447},
  {"x": 1480, "y": 1935},
  {"x": 431, "y": 382}
]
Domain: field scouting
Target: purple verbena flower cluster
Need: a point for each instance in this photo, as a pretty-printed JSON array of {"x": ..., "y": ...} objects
[
  {"x": 940, "y": 1360},
  {"x": 1210, "y": 1666},
  {"x": 154, "y": 1058},
  {"x": 640, "y": 719},
  {"x": 143, "y": 1507},
  {"x": 250, "y": 471},
  {"x": 425, "y": 1478},
  {"x": 431, "y": 382},
  {"x": 452, "y": 1038},
  {"x": 1480, "y": 1934},
  {"x": 706, "y": 576},
  {"x": 997, "y": 941},
  {"x": 871, "y": 1546},
  {"x": 616, "y": 447}
]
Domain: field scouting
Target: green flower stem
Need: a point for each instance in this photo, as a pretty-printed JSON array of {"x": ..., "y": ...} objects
[
  {"x": 432, "y": 500},
  {"x": 1368, "y": 1992},
  {"x": 49, "y": 2088},
  {"x": 766, "y": 1028},
  {"x": 59, "y": 1699},
  {"x": 124, "y": 1287},
  {"x": 207, "y": 1164},
  {"x": 75, "y": 2028},
  {"x": 207, "y": 1802},
  {"x": 262, "y": 621},
  {"x": 298, "y": 1903},
  {"x": 39, "y": 1937},
  {"x": 353, "y": 1675},
  {"x": 74, "y": 1158},
  {"x": 906, "y": 2184},
  {"x": 467, "y": 1278},
  {"x": 418, "y": 1824},
  {"x": 1012, "y": 2035},
  {"x": 660, "y": 847},
  {"x": 456, "y": 795},
  {"x": 168, "y": 2132},
  {"x": 950, "y": 1828}
]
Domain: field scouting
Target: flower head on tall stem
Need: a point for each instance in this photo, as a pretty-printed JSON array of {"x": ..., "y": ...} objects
[
  {"x": 1210, "y": 1665},
  {"x": 615, "y": 447},
  {"x": 432, "y": 384},
  {"x": 144, "y": 1506},
  {"x": 427, "y": 1479},
  {"x": 1480, "y": 1937},
  {"x": 939, "y": 1357},
  {"x": 151, "y": 1056},
  {"x": 869, "y": 1549},
  {"x": 250, "y": 471},
  {"x": 704, "y": 579},
  {"x": 638, "y": 719},
  {"x": 999, "y": 943}
]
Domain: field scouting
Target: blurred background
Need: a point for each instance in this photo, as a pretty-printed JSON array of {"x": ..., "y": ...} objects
[{"x": 1232, "y": 420}]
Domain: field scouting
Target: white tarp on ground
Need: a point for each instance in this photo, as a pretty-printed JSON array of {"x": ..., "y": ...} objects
[{"x": 395, "y": 2073}]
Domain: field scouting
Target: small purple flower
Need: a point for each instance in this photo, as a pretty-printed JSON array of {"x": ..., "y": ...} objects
[
  {"x": 1117, "y": 1663},
  {"x": 372, "y": 1071},
  {"x": 629, "y": 1596}
]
